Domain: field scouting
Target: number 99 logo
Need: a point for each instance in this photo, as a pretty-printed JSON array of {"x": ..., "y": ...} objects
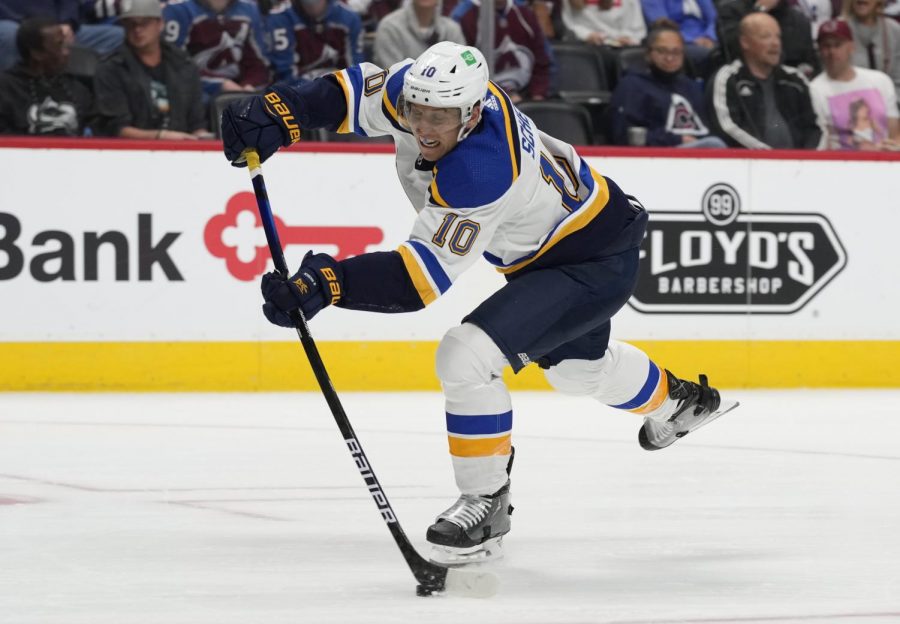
[{"x": 721, "y": 204}]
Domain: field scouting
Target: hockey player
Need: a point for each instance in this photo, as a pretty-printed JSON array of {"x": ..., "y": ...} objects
[{"x": 484, "y": 182}]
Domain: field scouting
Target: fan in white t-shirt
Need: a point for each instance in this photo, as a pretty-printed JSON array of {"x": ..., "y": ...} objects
[{"x": 856, "y": 106}]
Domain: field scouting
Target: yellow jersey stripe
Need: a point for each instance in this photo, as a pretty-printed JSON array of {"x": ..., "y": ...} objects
[
  {"x": 507, "y": 117},
  {"x": 659, "y": 395},
  {"x": 388, "y": 104},
  {"x": 419, "y": 279},
  {"x": 480, "y": 447},
  {"x": 344, "y": 128},
  {"x": 435, "y": 194},
  {"x": 579, "y": 219}
]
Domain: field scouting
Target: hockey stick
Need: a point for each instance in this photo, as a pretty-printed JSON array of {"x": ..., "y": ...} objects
[{"x": 430, "y": 576}]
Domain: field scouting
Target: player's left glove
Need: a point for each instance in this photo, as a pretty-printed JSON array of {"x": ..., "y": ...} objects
[
  {"x": 263, "y": 122},
  {"x": 317, "y": 284}
]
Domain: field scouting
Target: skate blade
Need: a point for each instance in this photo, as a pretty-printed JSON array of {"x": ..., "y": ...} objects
[
  {"x": 490, "y": 550},
  {"x": 647, "y": 445}
]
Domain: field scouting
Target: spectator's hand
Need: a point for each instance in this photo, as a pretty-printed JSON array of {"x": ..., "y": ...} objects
[
  {"x": 626, "y": 41},
  {"x": 595, "y": 38},
  {"x": 68, "y": 33},
  {"x": 515, "y": 96},
  {"x": 705, "y": 42},
  {"x": 255, "y": 122},
  {"x": 687, "y": 138},
  {"x": 317, "y": 284},
  {"x": 175, "y": 135},
  {"x": 231, "y": 85}
]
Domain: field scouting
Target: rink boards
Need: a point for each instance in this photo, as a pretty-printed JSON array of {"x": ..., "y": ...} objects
[{"x": 123, "y": 268}]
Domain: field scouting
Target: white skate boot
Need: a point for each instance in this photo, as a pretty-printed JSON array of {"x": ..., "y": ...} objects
[
  {"x": 472, "y": 529},
  {"x": 699, "y": 404}
]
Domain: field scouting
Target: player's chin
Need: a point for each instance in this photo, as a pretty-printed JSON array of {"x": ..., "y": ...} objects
[{"x": 432, "y": 152}]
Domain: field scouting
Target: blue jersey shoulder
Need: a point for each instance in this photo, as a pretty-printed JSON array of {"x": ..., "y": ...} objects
[{"x": 483, "y": 167}]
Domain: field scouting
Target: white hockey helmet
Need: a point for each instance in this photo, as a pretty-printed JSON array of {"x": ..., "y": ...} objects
[{"x": 447, "y": 75}]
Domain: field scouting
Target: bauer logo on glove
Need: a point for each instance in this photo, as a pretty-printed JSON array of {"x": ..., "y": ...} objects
[
  {"x": 305, "y": 290},
  {"x": 284, "y": 113}
]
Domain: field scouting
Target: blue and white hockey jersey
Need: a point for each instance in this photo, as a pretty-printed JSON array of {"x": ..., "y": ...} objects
[{"x": 508, "y": 192}]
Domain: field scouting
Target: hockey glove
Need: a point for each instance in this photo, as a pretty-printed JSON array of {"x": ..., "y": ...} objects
[
  {"x": 264, "y": 122},
  {"x": 317, "y": 284}
]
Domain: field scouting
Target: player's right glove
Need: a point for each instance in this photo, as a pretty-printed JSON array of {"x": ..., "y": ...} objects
[
  {"x": 264, "y": 122},
  {"x": 317, "y": 284}
]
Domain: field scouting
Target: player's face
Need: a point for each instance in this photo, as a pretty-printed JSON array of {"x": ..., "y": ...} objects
[{"x": 436, "y": 129}]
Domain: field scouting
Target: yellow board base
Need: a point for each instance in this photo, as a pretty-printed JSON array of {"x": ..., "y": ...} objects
[{"x": 399, "y": 366}]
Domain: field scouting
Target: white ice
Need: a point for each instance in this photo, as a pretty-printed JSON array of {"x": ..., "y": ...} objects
[{"x": 247, "y": 508}]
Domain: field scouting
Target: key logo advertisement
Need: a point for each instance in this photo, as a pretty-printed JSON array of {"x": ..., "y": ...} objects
[
  {"x": 722, "y": 260},
  {"x": 147, "y": 252}
]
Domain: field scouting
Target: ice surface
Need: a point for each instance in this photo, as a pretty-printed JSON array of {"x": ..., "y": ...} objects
[{"x": 247, "y": 508}]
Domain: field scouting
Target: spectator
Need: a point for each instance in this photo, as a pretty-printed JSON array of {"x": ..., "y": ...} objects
[
  {"x": 103, "y": 38},
  {"x": 549, "y": 16},
  {"x": 664, "y": 101},
  {"x": 697, "y": 21},
  {"x": 523, "y": 62},
  {"x": 226, "y": 40},
  {"x": 797, "y": 44},
  {"x": 759, "y": 103},
  {"x": 857, "y": 106},
  {"x": 608, "y": 24},
  {"x": 615, "y": 23},
  {"x": 877, "y": 39},
  {"x": 817, "y": 11},
  {"x": 149, "y": 89},
  {"x": 36, "y": 96},
  {"x": 412, "y": 29},
  {"x": 311, "y": 38}
]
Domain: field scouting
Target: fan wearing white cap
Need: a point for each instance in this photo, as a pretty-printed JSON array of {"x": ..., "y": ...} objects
[{"x": 485, "y": 182}]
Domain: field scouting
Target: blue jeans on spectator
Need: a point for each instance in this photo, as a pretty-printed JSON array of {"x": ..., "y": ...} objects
[{"x": 103, "y": 38}]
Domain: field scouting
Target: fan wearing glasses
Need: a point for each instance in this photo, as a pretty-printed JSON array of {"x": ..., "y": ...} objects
[{"x": 661, "y": 106}]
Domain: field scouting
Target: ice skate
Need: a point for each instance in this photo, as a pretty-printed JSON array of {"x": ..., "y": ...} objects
[
  {"x": 472, "y": 529},
  {"x": 698, "y": 405}
]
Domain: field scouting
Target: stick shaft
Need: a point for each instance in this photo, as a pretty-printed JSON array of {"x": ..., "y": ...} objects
[{"x": 425, "y": 572}]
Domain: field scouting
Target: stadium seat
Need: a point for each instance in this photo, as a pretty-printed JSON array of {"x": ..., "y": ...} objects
[
  {"x": 633, "y": 60},
  {"x": 218, "y": 103},
  {"x": 82, "y": 62},
  {"x": 565, "y": 121},
  {"x": 581, "y": 78}
]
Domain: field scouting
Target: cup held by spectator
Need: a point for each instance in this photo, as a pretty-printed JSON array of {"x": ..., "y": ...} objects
[{"x": 637, "y": 136}]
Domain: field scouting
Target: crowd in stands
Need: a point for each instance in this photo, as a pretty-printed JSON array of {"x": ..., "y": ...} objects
[{"x": 763, "y": 74}]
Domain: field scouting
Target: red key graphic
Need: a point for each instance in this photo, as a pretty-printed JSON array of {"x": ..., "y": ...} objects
[{"x": 350, "y": 240}]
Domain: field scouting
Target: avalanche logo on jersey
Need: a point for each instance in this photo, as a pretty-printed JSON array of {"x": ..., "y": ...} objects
[
  {"x": 683, "y": 119},
  {"x": 222, "y": 58}
]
